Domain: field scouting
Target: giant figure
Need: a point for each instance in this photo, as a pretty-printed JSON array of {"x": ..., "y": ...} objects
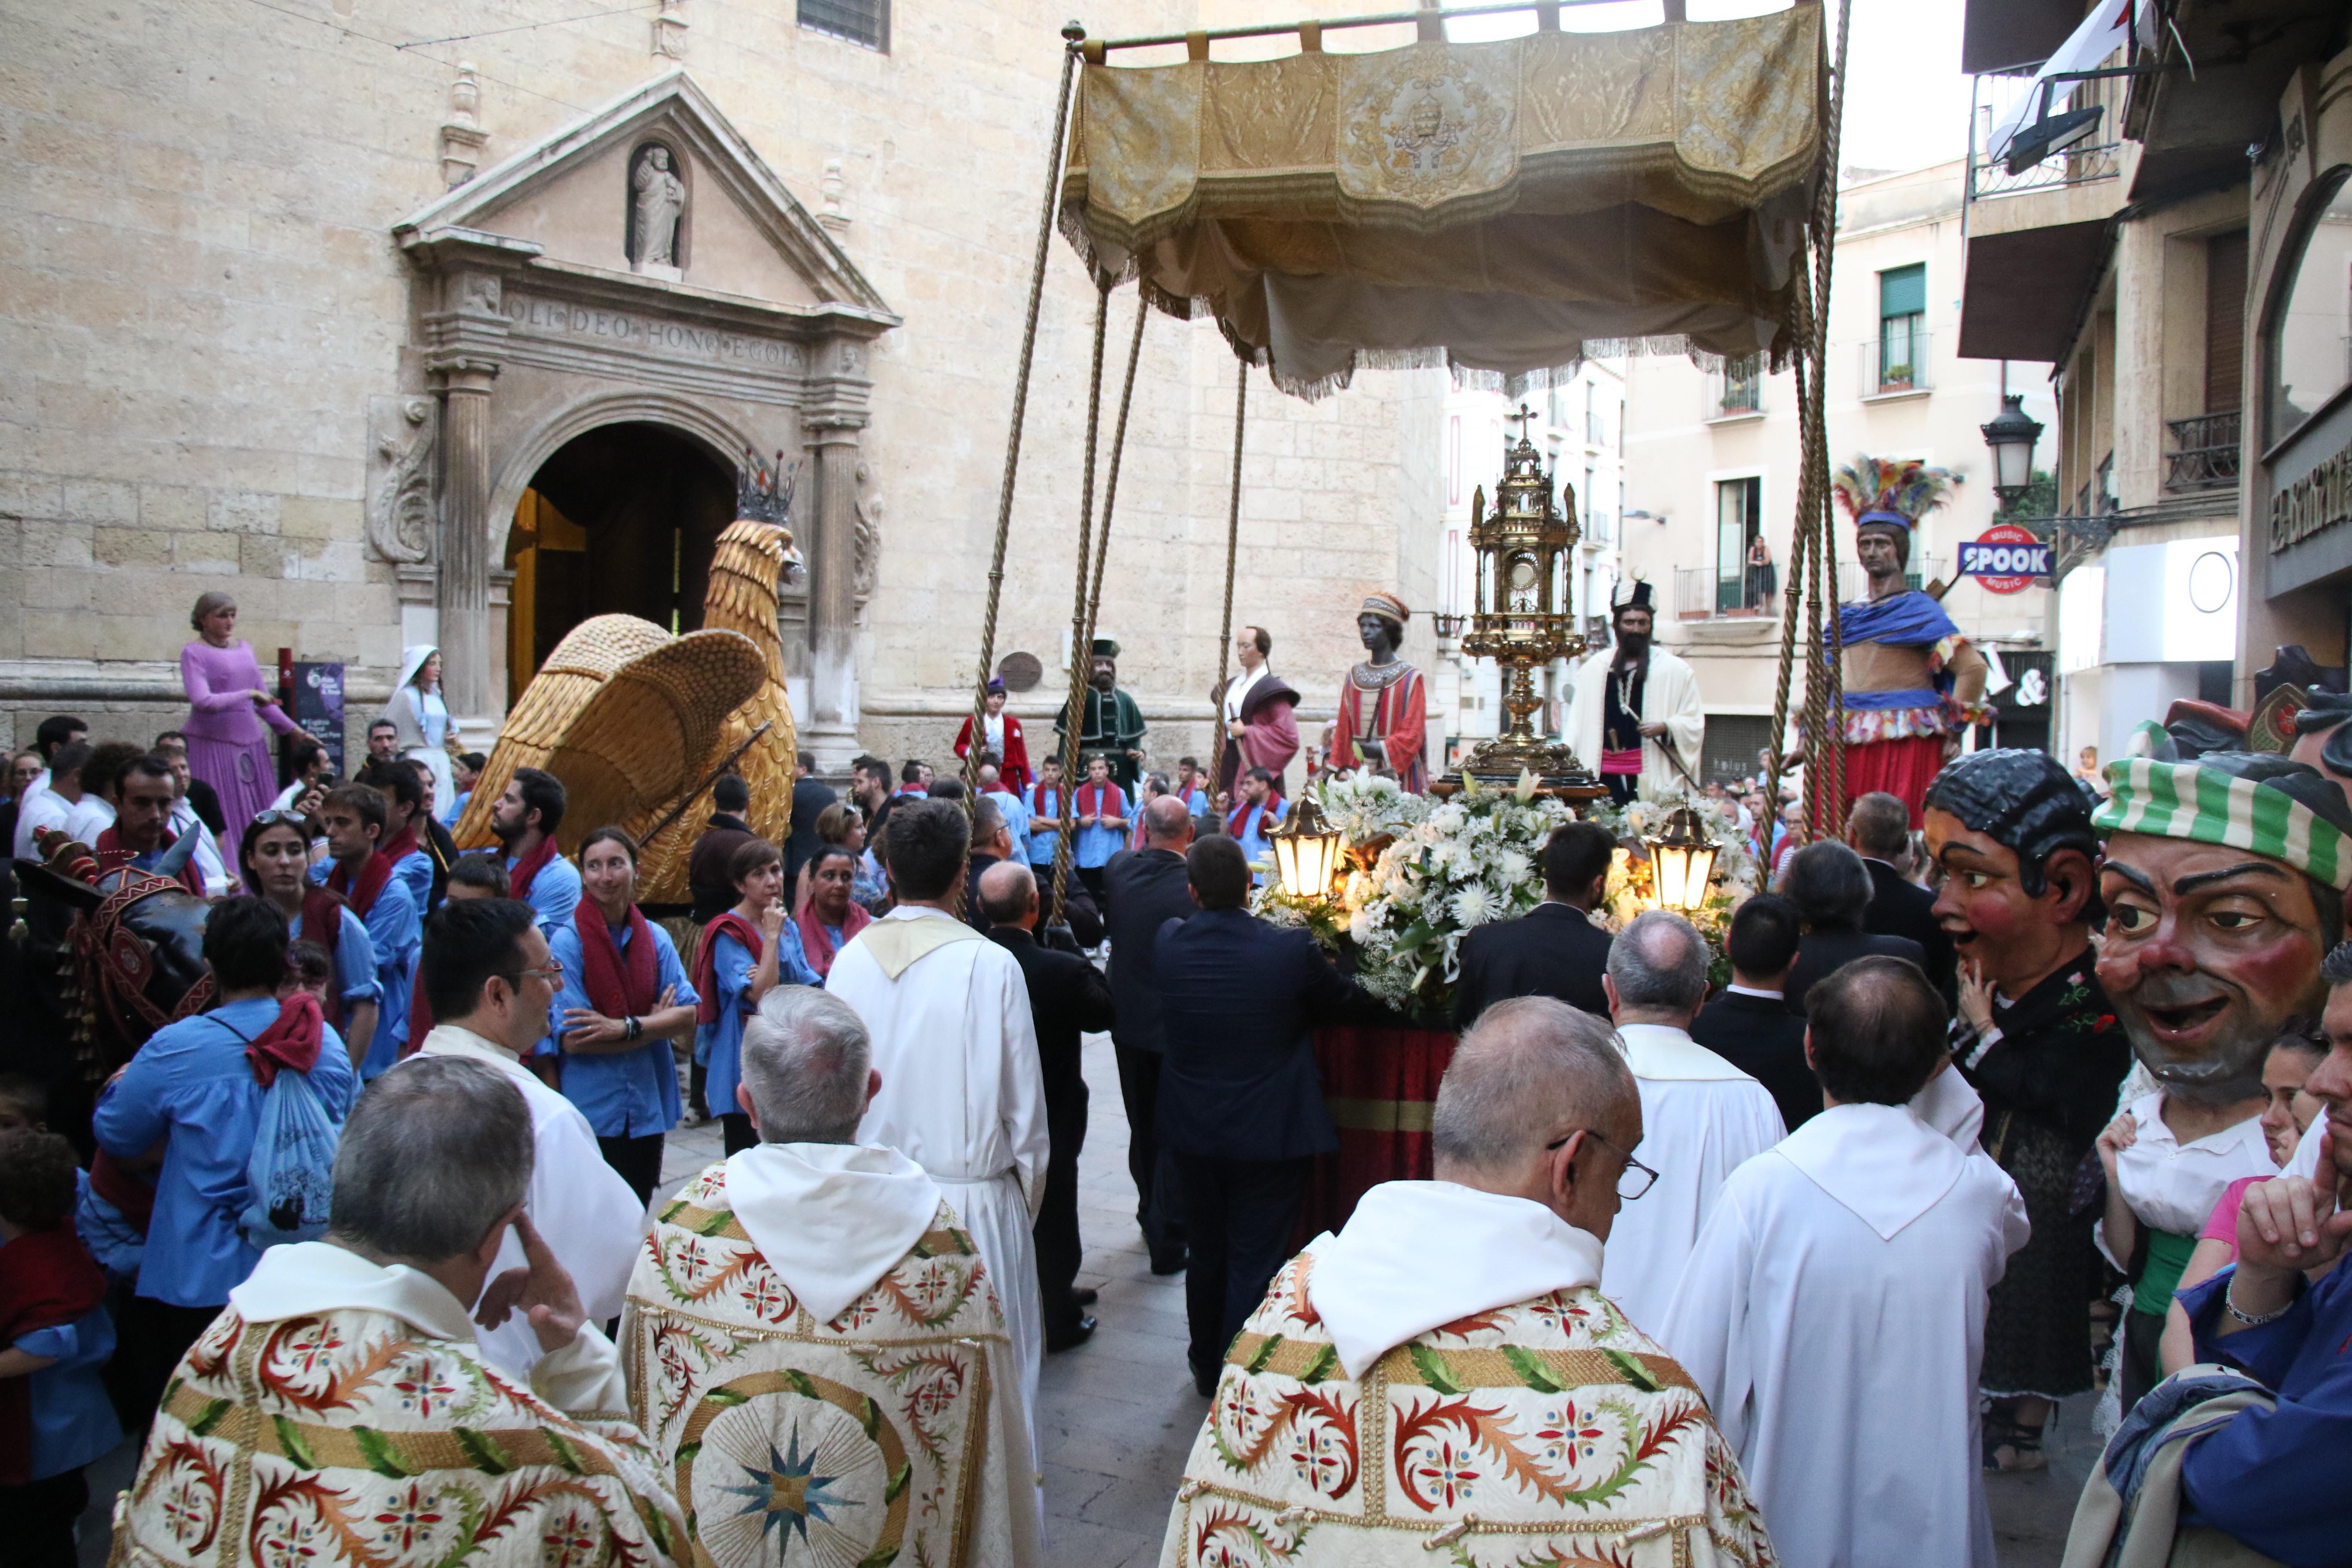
[
  {"x": 1257, "y": 709},
  {"x": 1636, "y": 713},
  {"x": 1111, "y": 723},
  {"x": 1911, "y": 680},
  {"x": 1383, "y": 702}
]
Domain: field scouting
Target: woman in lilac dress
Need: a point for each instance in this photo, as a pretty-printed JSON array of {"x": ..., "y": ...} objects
[{"x": 227, "y": 705}]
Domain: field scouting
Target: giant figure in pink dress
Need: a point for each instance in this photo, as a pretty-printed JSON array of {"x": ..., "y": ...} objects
[{"x": 227, "y": 705}]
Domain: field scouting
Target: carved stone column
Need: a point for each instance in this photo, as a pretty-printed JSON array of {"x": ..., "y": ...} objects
[
  {"x": 831, "y": 549},
  {"x": 462, "y": 596}
]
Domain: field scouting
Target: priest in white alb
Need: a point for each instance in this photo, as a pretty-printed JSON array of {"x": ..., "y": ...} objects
[
  {"x": 1701, "y": 1117},
  {"x": 490, "y": 981},
  {"x": 1441, "y": 1382},
  {"x": 1834, "y": 1310},
  {"x": 338, "y": 1414},
  {"x": 963, "y": 1094},
  {"x": 816, "y": 1297},
  {"x": 1636, "y": 717}
]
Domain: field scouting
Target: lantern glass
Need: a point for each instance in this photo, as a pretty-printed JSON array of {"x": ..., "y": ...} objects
[
  {"x": 2012, "y": 435},
  {"x": 1682, "y": 862},
  {"x": 1306, "y": 853}
]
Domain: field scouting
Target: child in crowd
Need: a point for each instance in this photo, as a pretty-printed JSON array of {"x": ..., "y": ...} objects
[
  {"x": 55, "y": 1336},
  {"x": 309, "y": 967}
]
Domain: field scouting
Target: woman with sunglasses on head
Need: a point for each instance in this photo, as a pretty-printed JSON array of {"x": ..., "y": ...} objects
[
  {"x": 274, "y": 858},
  {"x": 624, "y": 994},
  {"x": 745, "y": 953}
]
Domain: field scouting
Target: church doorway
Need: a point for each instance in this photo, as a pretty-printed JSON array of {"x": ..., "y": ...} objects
[{"x": 621, "y": 520}]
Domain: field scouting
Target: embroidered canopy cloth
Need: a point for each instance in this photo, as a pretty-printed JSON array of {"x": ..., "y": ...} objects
[{"x": 1507, "y": 208}]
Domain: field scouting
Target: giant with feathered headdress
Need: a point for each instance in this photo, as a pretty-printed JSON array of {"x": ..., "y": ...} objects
[{"x": 1893, "y": 494}]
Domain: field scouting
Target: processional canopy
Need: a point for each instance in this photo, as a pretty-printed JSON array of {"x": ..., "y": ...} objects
[{"x": 1505, "y": 208}]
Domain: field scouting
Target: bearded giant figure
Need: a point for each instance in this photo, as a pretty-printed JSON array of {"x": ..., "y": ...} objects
[{"x": 638, "y": 724}]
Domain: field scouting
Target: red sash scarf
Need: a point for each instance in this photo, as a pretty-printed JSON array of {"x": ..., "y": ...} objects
[
  {"x": 420, "y": 1016},
  {"x": 1093, "y": 799},
  {"x": 372, "y": 876},
  {"x": 706, "y": 961},
  {"x": 1045, "y": 802},
  {"x": 293, "y": 1040},
  {"x": 45, "y": 1279},
  {"x": 619, "y": 985},
  {"x": 322, "y": 922},
  {"x": 403, "y": 845},
  {"x": 816, "y": 942},
  {"x": 1241, "y": 815},
  {"x": 114, "y": 855},
  {"x": 528, "y": 868}
]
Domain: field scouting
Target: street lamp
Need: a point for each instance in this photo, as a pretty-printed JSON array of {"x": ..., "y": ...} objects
[
  {"x": 1305, "y": 851},
  {"x": 1682, "y": 861},
  {"x": 2012, "y": 435}
]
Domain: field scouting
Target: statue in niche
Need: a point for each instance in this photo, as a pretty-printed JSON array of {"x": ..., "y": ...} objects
[{"x": 658, "y": 200}]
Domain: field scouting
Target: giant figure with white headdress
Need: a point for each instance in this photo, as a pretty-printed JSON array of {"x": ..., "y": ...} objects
[{"x": 1635, "y": 715}]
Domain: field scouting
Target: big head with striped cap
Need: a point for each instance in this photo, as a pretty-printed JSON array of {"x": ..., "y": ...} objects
[{"x": 2224, "y": 880}]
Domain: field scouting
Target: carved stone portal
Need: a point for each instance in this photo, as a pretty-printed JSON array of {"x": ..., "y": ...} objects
[
  {"x": 866, "y": 506},
  {"x": 402, "y": 433}
]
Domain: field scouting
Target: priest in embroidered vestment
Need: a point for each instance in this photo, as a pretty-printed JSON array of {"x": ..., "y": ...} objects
[
  {"x": 1913, "y": 683},
  {"x": 1635, "y": 712},
  {"x": 487, "y": 979},
  {"x": 963, "y": 1094},
  {"x": 339, "y": 1412},
  {"x": 1443, "y": 1381},
  {"x": 1833, "y": 1309},
  {"x": 1383, "y": 702},
  {"x": 816, "y": 1299}
]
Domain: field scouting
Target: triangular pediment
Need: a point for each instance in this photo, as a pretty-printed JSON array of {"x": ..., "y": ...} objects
[{"x": 740, "y": 232}]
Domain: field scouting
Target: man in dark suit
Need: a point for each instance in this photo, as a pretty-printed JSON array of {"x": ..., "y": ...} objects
[
  {"x": 1555, "y": 950},
  {"x": 708, "y": 884},
  {"x": 1148, "y": 889},
  {"x": 1749, "y": 1026},
  {"x": 991, "y": 844},
  {"x": 1068, "y": 998},
  {"x": 1879, "y": 828},
  {"x": 1829, "y": 886},
  {"x": 1241, "y": 1105}
]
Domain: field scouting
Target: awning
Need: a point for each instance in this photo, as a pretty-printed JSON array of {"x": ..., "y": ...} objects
[{"x": 1505, "y": 208}]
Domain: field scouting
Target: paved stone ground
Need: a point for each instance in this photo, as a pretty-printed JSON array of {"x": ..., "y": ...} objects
[{"x": 1119, "y": 1414}]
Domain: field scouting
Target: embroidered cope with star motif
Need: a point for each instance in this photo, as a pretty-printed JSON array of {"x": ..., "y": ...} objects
[
  {"x": 882, "y": 1435},
  {"x": 354, "y": 1437},
  {"x": 1549, "y": 1431}
]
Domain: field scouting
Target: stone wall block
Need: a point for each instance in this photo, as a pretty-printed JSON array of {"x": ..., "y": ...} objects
[
  {"x": 242, "y": 511},
  {"x": 100, "y": 501},
  {"x": 259, "y": 555},
  {"x": 173, "y": 506},
  {"x": 318, "y": 517},
  {"x": 31, "y": 496},
  {"x": 204, "y": 554},
  {"x": 49, "y": 542},
  {"x": 132, "y": 547},
  {"x": 62, "y": 634},
  {"x": 144, "y": 637},
  {"x": 50, "y": 588}
]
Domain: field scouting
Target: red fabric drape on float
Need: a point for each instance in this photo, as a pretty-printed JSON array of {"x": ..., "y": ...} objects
[{"x": 1380, "y": 1085}]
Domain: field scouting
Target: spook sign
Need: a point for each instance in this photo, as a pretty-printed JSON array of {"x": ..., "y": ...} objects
[{"x": 2005, "y": 558}]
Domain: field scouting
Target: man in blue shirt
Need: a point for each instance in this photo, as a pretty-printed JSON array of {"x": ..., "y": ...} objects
[
  {"x": 2270, "y": 1479},
  {"x": 352, "y": 817},
  {"x": 525, "y": 820},
  {"x": 191, "y": 1083},
  {"x": 1046, "y": 803},
  {"x": 274, "y": 863},
  {"x": 1103, "y": 810},
  {"x": 1260, "y": 812},
  {"x": 1016, "y": 810}
]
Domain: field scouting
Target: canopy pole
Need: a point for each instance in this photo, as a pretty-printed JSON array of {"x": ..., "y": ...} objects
[
  {"x": 1813, "y": 554},
  {"x": 1081, "y": 660},
  {"x": 1225, "y": 627},
  {"x": 1073, "y": 36}
]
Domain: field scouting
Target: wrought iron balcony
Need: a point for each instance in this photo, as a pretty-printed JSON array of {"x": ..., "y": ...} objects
[
  {"x": 1895, "y": 363},
  {"x": 1989, "y": 177},
  {"x": 2204, "y": 453}
]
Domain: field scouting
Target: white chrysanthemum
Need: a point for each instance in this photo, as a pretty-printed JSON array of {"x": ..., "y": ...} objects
[
  {"x": 1512, "y": 867},
  {"x": 1473, "y": 905}
]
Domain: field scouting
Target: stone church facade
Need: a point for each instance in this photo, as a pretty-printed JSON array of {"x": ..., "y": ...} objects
[{"x": 452, "y": 323}]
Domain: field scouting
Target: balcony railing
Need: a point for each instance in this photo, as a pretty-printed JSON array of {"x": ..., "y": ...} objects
[
  {"x": 2204, "y": 453},
  {"x": 1990, "y": 177},
  {"x": 1703, "y": 594},
  {"x": 1738, "y": 390},
  {"x": 1893, "y": 364}
]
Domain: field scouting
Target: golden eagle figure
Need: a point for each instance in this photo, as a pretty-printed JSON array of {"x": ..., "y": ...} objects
[{"x": 639, "y": 724}]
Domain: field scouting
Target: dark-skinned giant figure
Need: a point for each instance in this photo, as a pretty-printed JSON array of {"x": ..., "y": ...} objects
[{"x": 1383, "y": 702}]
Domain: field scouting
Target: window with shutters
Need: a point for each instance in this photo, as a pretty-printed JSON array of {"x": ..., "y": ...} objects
[
  {"x": 2204, "y": 453},
  {"x": 1902, "y": 328},
  {"x": 866, "y": 22}
]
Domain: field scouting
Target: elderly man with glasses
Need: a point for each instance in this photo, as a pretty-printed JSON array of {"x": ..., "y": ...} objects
[
  {"x": 1834, "y": 1310},
  {"x": 490, "y": 982},
  {"x": 1701, "y": 1116},
  {"x": 1447, "y": 1363}
]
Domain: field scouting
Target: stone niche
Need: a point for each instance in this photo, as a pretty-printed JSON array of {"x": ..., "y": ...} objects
[{"x": 601, "y": 328}]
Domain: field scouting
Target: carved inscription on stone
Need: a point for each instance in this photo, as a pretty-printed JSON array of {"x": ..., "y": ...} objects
[
  {"x": 400, "y": 432},
  {"x": 560, "y": 321}
]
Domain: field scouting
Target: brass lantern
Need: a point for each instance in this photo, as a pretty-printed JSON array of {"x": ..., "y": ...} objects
[
  {"x": 1522, "y": 617},
  {"x": 1307, "y": 851},
  {"x": 1682, "y": 861}
]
